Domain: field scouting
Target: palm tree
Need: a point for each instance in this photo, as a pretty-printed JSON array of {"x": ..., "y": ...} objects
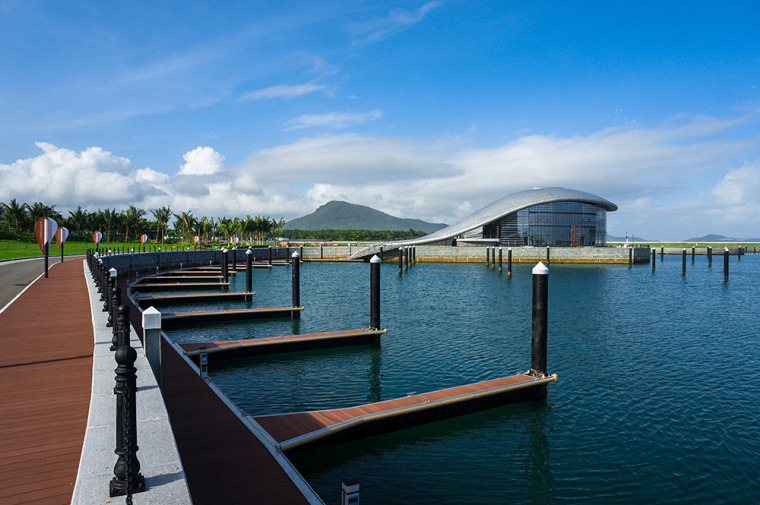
[
  {"x": 184, "y": 224},
  {"x": 162, "y": 216},
  {"x": 133, "y": 218},
  {"x": 108, "y": 219},
  {"x": 15, "y": 212},
  {"x": 78, "y": 219},
  {"x": 278, "y": 225}
]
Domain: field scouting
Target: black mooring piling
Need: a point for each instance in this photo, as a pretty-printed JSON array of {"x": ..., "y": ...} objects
[
  {"x": 540, "y": 318},
  {"x": 400, "y": 260},
  {"x": 709, "y": 256},
  {"x": 374, "y": 292},
  {"x": 500, "y": 259},
  {"x": 654, "y": 258},
  {"x": 693, "y": 251},
  {"x": 225, "y": 267},
  {"x": 509, "y": 262},
  {"x": 725, "y": 263},
  {"x": 296, "y": 284},
  {"x": 683, "y": 262},
  {"x": 547, "y": 254},
  {"x": 488, "y": 256},
  {"x": 662, "y": 253},
  {"x": 248, "y": 271},
  {"x": 630, "y": 256}
]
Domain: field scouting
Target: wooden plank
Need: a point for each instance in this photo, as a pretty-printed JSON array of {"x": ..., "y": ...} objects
[
  {"x": 174, "y": 319},
  {"x": 162, "y": 300}
]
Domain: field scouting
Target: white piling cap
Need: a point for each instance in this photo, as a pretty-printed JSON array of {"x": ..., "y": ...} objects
[
  {"x": 540, "y": 269},
  {"x": 112, "y": 272},
  {"x": 224, "y": 249},
  {"x": 249, "y": 251},
  {"x": 296, "y": 255},
  {"x": 151, "y": 319},
  {"x": 375, "y": 259}
]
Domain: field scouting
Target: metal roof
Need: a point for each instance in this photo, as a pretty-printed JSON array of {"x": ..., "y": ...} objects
[{"x": 509, "y": 204}]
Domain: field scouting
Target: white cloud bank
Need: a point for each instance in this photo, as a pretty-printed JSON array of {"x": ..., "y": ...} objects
[{"x": 669, "y": 182}]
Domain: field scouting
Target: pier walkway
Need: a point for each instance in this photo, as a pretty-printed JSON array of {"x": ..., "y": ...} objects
[{"x": 45, "y": 382}]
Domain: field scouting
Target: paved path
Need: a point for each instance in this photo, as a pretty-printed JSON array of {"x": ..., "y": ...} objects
[
  {"x": 45, "y": 382},
  {"x": 15, "y": 275}
]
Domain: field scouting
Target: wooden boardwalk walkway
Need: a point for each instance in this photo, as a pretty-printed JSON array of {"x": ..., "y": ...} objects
[
  {"x": 45, "y": 382},
  {"x": 255, "y": 346},
  {"x": 296, "y": 430},
  {"x": 174, "y": 319}
]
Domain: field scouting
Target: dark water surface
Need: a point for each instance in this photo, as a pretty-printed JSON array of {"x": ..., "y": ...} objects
[{"x": 658, "y": 398}]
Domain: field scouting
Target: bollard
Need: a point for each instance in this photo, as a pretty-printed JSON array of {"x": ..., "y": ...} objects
[
  {"x": 203, "y": 362},
  {"x": 725, "y": 263},
  {"x": 547, "y": 255},
  {"x": 739, "y": 253},
  {"x": 296, "y": 283},
  {"x": 693, "y": 250},
  {"x": 151, "y": 323},
  {"x": 374, "y": 292},
  {"x": 248, "y": 271},
  {"x": 225, "y": 267},
  {"x": 630, "y": 256},
  {"x": 270, "y": 254},
  {"x": 683, "y": 262},
  {"x": 493, "y": 257},
  {"x": 406, "y": 258},
  {"x": 321, "y": 251},
  {"x": 500, "y": 258},
  {"x": 234, "y": 261},
  {"x": 122, "y": 335},
  {"x": 287, "y": 255},
  {"x": 654, "y": 258},
  {"x": 115, "y": 303},
  {"x": 662, "y": 253},
  {"x": 509, "y": 262},
  {"x": 349, "y": 491},
  {"x": 400, "y": 260},
  {"x": 709, "y": 256},
  {"x": 381, "y": 253},
  {"x": 540, "y": 318},
  {"x": 127, "y": 478},
  {"x": 300, "y": 253},
  {"x": 111, "y": 282}
]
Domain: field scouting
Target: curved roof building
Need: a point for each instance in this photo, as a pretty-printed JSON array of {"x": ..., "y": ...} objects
[{"x": 536, "y": 217}]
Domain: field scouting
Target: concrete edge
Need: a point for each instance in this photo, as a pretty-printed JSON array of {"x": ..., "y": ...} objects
[{"x": 158, "y": 455}]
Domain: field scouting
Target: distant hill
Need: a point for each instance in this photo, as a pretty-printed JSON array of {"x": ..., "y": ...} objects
[
  {"x": 348, "y": 216},
  {"x": 611, "y": 238},
  {"x": 720, "y": 238}
]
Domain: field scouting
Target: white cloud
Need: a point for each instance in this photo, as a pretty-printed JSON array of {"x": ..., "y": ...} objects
[
  {"x": 282, "y": 91},
  {"x": 332, "y": 120},
  {"x": 202, "y": 161},
  {"x": 394, "y": 22}
]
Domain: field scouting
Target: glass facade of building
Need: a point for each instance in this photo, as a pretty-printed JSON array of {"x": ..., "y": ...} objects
[{"x": 552, "y": 224}]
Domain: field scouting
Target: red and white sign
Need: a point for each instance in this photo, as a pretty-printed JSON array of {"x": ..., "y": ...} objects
[
  {"x": 44, "y": 230},
  {"x": 196, "y": 239},
  {"x": 143, "y": 239},
  {"x": 61, "y": 235},
  {"x": 96, "y": 238}
]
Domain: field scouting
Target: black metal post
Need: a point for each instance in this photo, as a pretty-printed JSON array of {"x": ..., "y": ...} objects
[
  {"x": 234, "y": 260},
  {"x": 64, "y": 243},
  {"x": 270, "y": 254},
  {"x": 400, "y": 260},
  {"x": 693, "y": 252},
  {"x": 547, "y": 254},
  {"x": 540, "y": 319},
  {"x": 654, "y": 258},
  {"x": 127, "y": 478},
  {"x": 115, "y": 304},
  {"x": 509, "y": 262},
  {"x": 248, "y": 270},
  {"x": 123, "y": 319},
  {"x": 683, "y": 262},
  {"x": 109, "y": 302},
  {"x": 225, "y": 267},
  {"x": 488, "y": 256},
  {"x": 662, "y": 253},
  {"x": 709, "y": 256},
  {"x": 725, "y": 263},
  {"x": 630, "y": 256},
  {"x": 374, "y": 292},
  {"x": 406, "y": 258},
  {"x": 739, "y": 253},
  {"x": 296, "y": 283},
  {"x": 500, "y": 259}
]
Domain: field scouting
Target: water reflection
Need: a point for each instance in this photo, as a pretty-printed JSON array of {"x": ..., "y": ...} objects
[
  {"x": 373, "y": 374},
  {"x": 538, "y": 472}
]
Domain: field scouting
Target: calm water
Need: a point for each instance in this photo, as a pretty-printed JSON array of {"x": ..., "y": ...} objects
[{"x": 658, "y": 398}]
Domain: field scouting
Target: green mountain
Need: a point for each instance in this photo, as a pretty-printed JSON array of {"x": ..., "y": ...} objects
[{"x": 348, "y": 216}]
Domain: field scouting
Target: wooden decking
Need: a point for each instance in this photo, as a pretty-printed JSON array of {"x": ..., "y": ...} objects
[
  {"x": 45, "y": 382},
  {"x": 163, "y": 300},
  {"x": 168, "y": 286},
  {"x": 296, "y": 430},
  {"x": 256, "y": 346},
  {"x": 175, "y": 319}
]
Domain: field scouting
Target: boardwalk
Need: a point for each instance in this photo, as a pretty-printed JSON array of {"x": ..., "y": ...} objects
[
  {"x": 45, "y": 380},
  {"x": 295, "y": 430}
]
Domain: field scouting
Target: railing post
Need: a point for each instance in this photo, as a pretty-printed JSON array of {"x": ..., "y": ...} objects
[
  {"x": 151, "y": 322},
  {"x": 127, "y": 478},
  {"x": 540, "y": 318},
  {"x": 123, "y": 335},
  {"x": 115, "y": 303},
  {"x": 374, "y": 296}
]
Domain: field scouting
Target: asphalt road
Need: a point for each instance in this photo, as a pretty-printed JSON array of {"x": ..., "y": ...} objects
[{"x": 15, "y": 275}]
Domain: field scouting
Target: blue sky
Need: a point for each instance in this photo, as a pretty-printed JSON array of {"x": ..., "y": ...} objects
[{"x": 426, "y": 110}]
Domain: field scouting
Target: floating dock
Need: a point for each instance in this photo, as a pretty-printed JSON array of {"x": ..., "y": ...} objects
[
  {"x": 171, "y": 320},
  {"x": 298, "y": 430},
  {"x": 258, "y": 346},
  {"x": 164, "y": 300},
  {"x": 164, "y": 286}
]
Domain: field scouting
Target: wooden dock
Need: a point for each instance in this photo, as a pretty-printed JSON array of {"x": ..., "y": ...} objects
[
  {"x": 258, "y": 346},
  {"x": 164, "y": 300},
  {"x": 164, "y": 286},
  {"x": 292, "y": 431},
  {"x": 169, "y": 278},
  {"x": 175, "y": 319},
  {"x": 45, "y": 382}
]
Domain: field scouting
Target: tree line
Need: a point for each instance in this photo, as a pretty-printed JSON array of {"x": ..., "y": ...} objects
[{"x": 129, "y": 224}]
